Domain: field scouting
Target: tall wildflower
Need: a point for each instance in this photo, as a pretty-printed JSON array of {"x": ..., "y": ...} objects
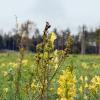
[
  {"x": 67, "y": 85},
  {"x": 69, "y": 44},
  {"x": 43, "y": 62},
  {"x": 48, "y": 62},
  {"x": 94, "y": 86},
  {"x": 84, "y": 85}
]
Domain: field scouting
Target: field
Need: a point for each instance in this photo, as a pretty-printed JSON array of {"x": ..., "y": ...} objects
[{"x": 85, "y": 68}]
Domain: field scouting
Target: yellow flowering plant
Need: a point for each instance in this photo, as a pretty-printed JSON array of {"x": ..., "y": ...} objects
[
  {"x": 94, "y": 86},
  {"x": 35, "y": 81},
  {"x": 48, "y": 62},
  {"x": 67, "y": 85}
]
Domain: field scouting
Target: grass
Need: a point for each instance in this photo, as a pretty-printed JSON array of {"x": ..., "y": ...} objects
[{"x": 73, "y": 60}]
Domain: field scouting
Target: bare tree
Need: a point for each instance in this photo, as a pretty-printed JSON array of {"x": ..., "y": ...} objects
[
  {"x": 82, "y": 38},
  {"x": 25, "y": 30},
  {"x": 97, "y": 39}
]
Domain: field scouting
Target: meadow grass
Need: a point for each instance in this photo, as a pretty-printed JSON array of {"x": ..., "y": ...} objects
[{"x": 75, "y": 61}]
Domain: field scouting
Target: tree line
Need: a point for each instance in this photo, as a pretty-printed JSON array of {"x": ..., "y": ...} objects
[{"x": 85, "y": 42}]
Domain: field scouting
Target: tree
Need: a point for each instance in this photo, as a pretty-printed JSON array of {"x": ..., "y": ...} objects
[
  {"x": 1, "y": 42},
  {"x": 83, "y": 39},
  {"x": 56, "y": 41},
  {"x": 64, "y": 37},
  {"x": 1, "y": 39},
  {"x": 97, "y": 39},
  {"x": 25, "y": 30},
  {"x": 76, "y": 44}
]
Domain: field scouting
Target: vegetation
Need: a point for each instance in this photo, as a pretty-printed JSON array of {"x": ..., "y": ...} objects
[
  {"x": 85, "y": 42},
  {"x": 86, "y": 67},
  {"x": 48, "y": 74}
]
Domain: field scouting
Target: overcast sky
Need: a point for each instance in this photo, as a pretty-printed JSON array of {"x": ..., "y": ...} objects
[{"x": 60, "y": 13}]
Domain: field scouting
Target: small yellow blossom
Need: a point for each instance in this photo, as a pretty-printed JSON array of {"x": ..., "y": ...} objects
[
  {"x": 56, "y": 66},
  {"x": 56, "y": 52},
  {"x": 52, "y": 90},
  {"x": 5, "y": 73},
  {"x": 86, "y": 78},
  {"x": 95, "y": 84},
  {"x": 81, "y": 78},
  {"x": 14, "y": 65},
  {"x": 56, "y": 60},
  {"x": 33, "y": 86},
  {"x": 10, "y": 63},
  {"x": 60, "y": 91},
  {"x": 5, "y": 90},
  {"x": 53, "y": 37},
  {"x": 85, "y": 97},
  {"x": 25, "y": 62},
  {"x": 86, "y": 85},
  {"x": 85, "y": 66},
  {"x": 80, "y": 89},
  {"x": 63, "y": 98},
  {"x": 94, "y": 65},
  {"x": 3, "y": 64}
]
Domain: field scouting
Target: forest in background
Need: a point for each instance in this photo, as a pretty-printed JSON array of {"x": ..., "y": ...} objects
[{"x": 85, "y": 41}]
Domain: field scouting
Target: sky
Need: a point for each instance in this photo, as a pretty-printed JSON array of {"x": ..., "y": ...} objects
[{"x": 61, "y": 14}]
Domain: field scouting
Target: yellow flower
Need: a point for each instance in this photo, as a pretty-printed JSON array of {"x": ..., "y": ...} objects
[
  {"x": 53, "y": 37},
  {"x": 56, "y": 60},
  {"x": 3, "y": 64},
  {"x": 56, "y": 53},
  {"x": 5, "y": 90},
  {"x": 63, "y": 98},
  {"x": 95, "y": 66},
  {"x": 14, "y": 65},
  {"x": 85, "y": 97},
  {"x": 46, "y": 55},
  {"x": 61, "y": 79},
  {"x": 67, "y": 84},
  {"x": 92, "y": 87},
  {"x": 33, "y": 86},
  {"x": 56, "y": 66},
  {"x": 25, "y": 62},
  {"x": 85, "y": 66},
  {"x": 86, "y": 78},
  {"x": 86, "y": 85},
  {"x": 60, "y": 91},
  {"x": 51, "y": 90},
  {"x": 5, "y": 73},
  {"x": 95, "y": 84},
  {"x": 80, "y": 89},
  {"x": 81, "y": 78},
  {"x": 46, "y": 81},
  {"x": 10, "y": 63}
]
